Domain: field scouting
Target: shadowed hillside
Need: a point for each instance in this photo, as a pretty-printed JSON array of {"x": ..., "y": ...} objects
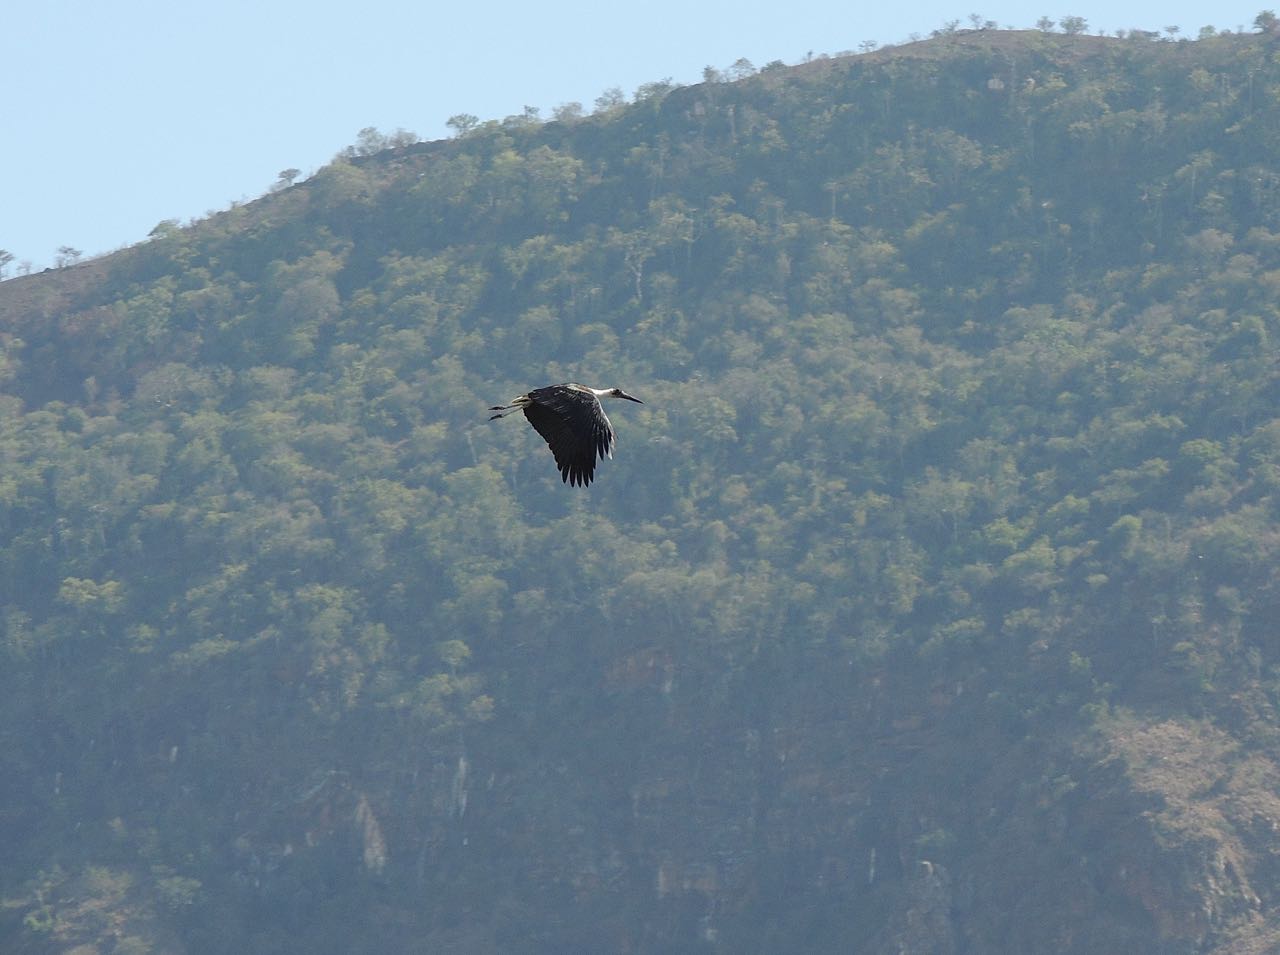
[{"x": 930, "y": 603}]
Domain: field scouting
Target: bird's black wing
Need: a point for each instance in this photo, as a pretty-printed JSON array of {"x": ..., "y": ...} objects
[{"x": 575, "y": 454}]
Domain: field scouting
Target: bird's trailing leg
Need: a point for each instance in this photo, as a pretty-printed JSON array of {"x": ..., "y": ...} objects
[{"x": 504, "y": 410}]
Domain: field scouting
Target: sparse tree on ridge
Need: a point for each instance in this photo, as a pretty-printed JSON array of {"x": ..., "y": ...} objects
[
  {"x": 462, "y": 124},
  {"x": 567, "y": 112},
  {"x": 610, "y": 100}
]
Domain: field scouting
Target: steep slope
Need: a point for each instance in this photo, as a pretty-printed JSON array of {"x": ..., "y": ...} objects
[{"x": 929, "y": 604}]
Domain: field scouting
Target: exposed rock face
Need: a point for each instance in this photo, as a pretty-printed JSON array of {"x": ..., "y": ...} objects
[
  {"x": 925, "y": 926},
  {"x": 1153, "y": 836}
]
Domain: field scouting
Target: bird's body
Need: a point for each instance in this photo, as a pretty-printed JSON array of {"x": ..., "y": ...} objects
[{"x": 572, "y": 422}]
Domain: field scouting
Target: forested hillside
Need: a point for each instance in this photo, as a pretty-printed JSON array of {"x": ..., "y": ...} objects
[{"x": 930, "y": 603}]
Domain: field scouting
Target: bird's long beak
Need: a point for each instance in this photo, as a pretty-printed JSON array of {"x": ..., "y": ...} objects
[{"x": 629, "y": 398}]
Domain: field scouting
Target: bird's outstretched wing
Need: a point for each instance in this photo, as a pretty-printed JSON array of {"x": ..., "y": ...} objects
[{"x": 575, "y": 448}]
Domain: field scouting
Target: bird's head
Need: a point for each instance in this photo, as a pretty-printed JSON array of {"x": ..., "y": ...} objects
[{"x": 619, "y": 393}]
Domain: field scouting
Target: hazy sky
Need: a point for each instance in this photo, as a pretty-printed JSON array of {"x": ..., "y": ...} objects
[{"x": 119, "y": 115}]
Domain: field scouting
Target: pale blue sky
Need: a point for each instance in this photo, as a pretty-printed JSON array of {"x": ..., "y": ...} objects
[{"x": 119, "y": 115}]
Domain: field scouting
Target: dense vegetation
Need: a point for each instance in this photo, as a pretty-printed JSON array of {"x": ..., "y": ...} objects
[{"x": 931, "y": 599}]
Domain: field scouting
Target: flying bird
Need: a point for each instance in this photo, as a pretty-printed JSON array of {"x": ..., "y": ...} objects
[{"x": 572, "y": 422}]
